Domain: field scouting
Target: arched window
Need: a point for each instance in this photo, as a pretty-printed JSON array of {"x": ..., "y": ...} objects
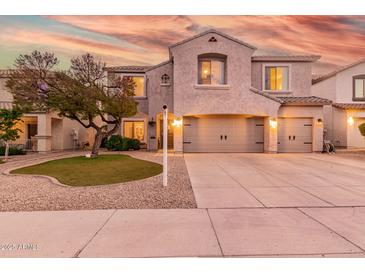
[
  {"x": 358, "y": 88},
  {"x": 165, "y": 79},
  {"x": 212, "y": 69}
]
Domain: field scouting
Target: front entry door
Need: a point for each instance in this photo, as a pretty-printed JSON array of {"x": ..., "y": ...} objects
[{"x": 170, "y": 134}]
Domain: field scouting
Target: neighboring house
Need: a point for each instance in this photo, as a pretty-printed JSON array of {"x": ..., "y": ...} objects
[
  {"x": 346, "y": 88},
  {"x": 44, "y": 131},
  {"x": 222, "y": 98}
]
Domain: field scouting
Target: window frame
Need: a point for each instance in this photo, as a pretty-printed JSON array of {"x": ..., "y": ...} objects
[
  {"x": 144, "y": 82},
  {"x": 135, "y": 120},
  {"x": 283, "y": 91},
  {"x": 354, "y": 78},
  {"x": 210, "y": 57}
]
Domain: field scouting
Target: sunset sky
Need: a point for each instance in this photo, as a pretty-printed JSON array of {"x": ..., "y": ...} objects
[{"x": 143, "y": 40}]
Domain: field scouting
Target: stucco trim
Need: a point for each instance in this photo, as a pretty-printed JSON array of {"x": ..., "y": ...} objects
[
  {"x": 285, "y": 58},
  {"x": 212, "y": 87},
  {"x": 216, "y": 32}
]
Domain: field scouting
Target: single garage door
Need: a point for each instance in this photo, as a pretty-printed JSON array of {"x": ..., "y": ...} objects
[
  {"x": 223, "y": 134},
  {"x": 295, "y": 135}
]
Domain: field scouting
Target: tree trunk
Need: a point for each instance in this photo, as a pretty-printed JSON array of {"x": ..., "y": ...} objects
[
  {"x": 97, "y": 143},
  {"x": 6, "y": 151}
]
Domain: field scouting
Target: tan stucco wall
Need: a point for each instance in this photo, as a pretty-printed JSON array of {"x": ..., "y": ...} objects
[
  {"x": 339, "y": 127},
  {"x": 344, "y": 83},
  {"x": 158, "y": 95},
  {"x": 236, "y": 99},
  {"x": 354, "y": 138},
  {"x": 299, "y": 76},
  {"x": 325, "y": 89}
]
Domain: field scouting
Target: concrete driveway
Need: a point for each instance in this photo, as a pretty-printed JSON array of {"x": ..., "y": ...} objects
[{"x": 276, "y": 180}]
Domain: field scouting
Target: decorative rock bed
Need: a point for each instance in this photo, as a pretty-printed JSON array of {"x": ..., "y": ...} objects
[{"x": 28, "y": 193}]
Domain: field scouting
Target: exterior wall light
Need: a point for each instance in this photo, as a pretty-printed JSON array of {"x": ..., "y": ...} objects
[
  {"x": 350, "y": 121},
  {"x": 177, "y": 122},
  {"x": 273, "y": 123},
  {"x": 319, "y": 121}
]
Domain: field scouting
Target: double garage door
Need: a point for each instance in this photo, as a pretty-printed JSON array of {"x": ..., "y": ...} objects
[
  {"x": 223, "y": 134},
  {"x": 240, "y": 134}
]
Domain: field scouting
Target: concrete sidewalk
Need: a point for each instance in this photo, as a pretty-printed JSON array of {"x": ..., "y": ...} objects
[{"x": 313, "y": 232}]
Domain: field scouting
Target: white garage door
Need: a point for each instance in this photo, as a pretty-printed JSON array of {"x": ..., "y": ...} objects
[
  {"x": 295, "y": 135},
  {"x": 223, "y": 134}
]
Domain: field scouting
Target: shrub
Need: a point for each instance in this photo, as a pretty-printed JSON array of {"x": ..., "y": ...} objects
[
  {"x": 362, "y": 129},
  {"x": 115, "y": 142},
  {"x": 118, "y": 143},
  {"x": 134, "y": 144},
  {"x": 12, "y": 151}
]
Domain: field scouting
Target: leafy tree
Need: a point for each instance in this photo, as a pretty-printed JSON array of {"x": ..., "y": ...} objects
[
  {"x": 8, "y": 132},
  {"x": 79, "y": 93}
]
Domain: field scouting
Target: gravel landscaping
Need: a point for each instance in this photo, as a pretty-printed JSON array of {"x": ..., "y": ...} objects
[{"x": 28, "y": 193}]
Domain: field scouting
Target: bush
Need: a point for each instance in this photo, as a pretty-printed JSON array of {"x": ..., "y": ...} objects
[
  {"x": 118, "y": 143},
  {"x": 115, "y": 142},
  {"x": 12, "y": 151},
  {"x": 134, "y": 144},
  {"x": 362, "y": 129}
]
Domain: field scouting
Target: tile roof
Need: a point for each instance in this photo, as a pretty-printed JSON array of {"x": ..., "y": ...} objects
[
  {"x": 349, "y": 105},
  {"x": 278, "y": 58},
  {"x": 128, "y": 68},
  {"x": 216, "y": 32},
  {"x": 333, "y": 73},
  {"x": 303, "y": 100},
  {"x": 259, "y": 92}
]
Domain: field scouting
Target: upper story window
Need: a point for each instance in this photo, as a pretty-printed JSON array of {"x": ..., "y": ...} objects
[
  {"x": 359, "y": 88},
  {"x": 276, "y": 78},
  {"x": 212, "y": 69},
  {"x": 139, "y": 80}
]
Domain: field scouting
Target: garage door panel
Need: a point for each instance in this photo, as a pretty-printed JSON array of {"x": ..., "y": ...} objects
[
  {"x": 295, "y": 134},
  {"x": 223, "y": 134}
]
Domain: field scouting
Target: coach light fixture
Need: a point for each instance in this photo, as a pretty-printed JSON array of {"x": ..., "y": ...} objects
[
  {"x": 177, "y": 123},
  {"x": 273, "y": 123}
]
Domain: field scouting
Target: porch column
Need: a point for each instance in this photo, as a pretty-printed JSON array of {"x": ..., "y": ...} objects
[
  {"x": 270, "y": 135},
  {"x": 178, "y": 135},
  {"x": 44, "y": 134},
  {"x": 317, "y": 131}
]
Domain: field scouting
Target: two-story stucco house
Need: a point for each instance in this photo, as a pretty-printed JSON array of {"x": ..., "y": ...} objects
[
  {"x": 345, "y": 87},
  {"x": 223, "y": 98}
]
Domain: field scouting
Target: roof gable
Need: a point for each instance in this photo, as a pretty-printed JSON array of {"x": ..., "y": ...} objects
[
  {"x": 333, "y": 73},
  {"x": 213, "y": 31}
]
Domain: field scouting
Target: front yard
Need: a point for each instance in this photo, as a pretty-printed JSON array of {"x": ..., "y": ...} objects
[
  {"x": 28, "y": 193},
  {"x": 103, "y": 170}
]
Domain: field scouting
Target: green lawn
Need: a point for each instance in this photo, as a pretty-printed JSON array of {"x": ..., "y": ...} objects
[{"x": 102, "y": 170}]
